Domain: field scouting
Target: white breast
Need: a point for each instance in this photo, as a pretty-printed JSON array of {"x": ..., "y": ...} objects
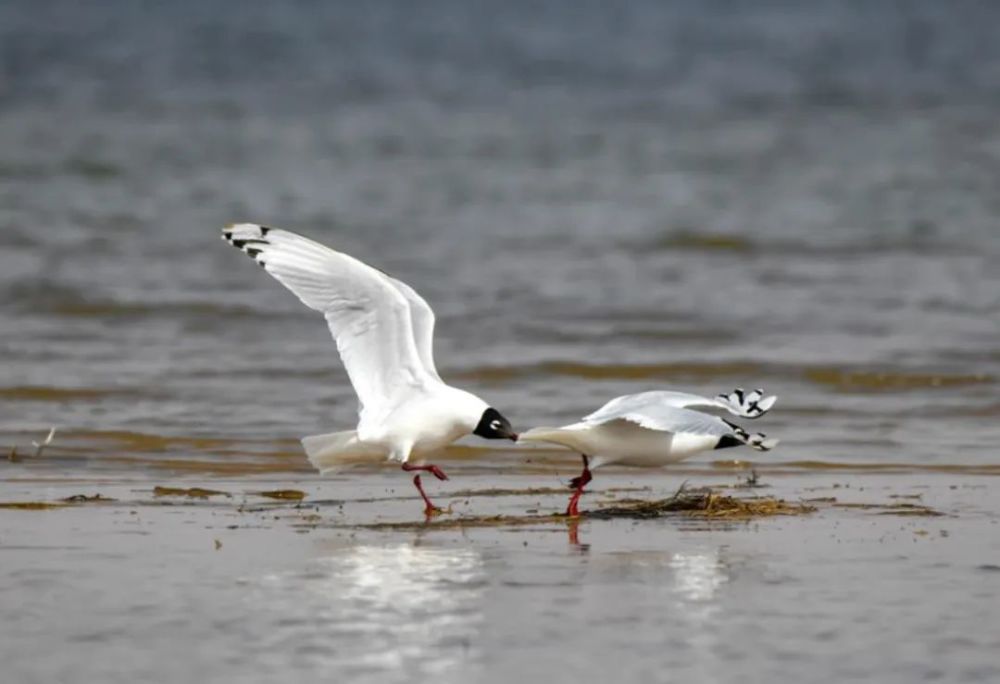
[
  {"x": 430, "y": 420},
  {"x": 624, "y": 443}
]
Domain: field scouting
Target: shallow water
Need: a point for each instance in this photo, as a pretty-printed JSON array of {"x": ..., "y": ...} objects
[
  {"x": 814, "y": 219},
  {"x": 595, "y": 201},
  {"x": 254, "y": 590}
]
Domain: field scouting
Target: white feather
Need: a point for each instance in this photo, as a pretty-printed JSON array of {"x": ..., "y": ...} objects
[
  {"x": 422, "y": 318},
  {"x": 738, "y": 403}
]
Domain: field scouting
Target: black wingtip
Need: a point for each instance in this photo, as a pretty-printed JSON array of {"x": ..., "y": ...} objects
[{"x": 728, "y": 441}]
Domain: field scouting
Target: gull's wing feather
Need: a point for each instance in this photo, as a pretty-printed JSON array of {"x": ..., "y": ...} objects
[
  {"x": 368, "y": 315},
  {"x": 744, "y": 404},
  {"x": 752, "y": 404},
  {"x": 665, "y": 418},
  {"x": 674, "y": 420},
  {"x": 422, "y": 317}
]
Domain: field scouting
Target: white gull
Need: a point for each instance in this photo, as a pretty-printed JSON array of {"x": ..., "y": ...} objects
[
  {"x": 653, "y": 429},
  {"x": 384, "y": 332}
]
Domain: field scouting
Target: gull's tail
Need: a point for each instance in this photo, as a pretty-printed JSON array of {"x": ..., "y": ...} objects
[
  {"x": 335, "y": 450},
  {"x": 751, "y": 404}
]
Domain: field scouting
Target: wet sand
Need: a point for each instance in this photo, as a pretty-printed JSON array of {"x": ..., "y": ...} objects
[{"x": 891, "y": 577}]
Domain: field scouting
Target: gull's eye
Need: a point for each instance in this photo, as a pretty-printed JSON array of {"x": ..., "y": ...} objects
[{"x": 495, "y": 424}]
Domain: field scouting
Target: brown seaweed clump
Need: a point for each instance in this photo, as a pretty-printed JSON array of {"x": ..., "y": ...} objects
[
  {"x": 31, "y": 505},
  {"x": 901, "y": 508},
  {"x": 191, "y": 492},
  {"x": 702, "y": 503},
  {"x": 283, "y": 494}
]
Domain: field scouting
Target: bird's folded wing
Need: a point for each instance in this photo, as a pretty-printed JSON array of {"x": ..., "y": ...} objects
[
  {"x": 367, "y": 313},
  {"x": 676, "y": 421},
  {"x": 739, "y": 403}
]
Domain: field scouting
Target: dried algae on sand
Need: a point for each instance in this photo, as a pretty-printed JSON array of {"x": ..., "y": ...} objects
[
  {"x": 283, "y": 494},
  {"x": 903, "y": 508},
  {"x": 702, "y": 503},
  {"x": 191, "y": 492}
]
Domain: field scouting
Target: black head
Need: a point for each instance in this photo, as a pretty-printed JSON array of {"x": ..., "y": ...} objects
[{"x": 494, "y": 426}]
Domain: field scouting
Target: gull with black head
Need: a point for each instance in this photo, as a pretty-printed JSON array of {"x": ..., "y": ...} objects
[
  {"x": 384, "y": 332},
  {"x": 655, "y": 428}
]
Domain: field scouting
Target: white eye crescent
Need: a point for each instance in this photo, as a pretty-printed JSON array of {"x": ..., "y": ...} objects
[{"x": 495, "y": 424}]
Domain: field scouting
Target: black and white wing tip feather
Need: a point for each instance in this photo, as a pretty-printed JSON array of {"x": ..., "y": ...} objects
[
  {"x": 751, "y": 404},
  {"x": 249, "y": 238},
  {"x": 757, "y": 440}
]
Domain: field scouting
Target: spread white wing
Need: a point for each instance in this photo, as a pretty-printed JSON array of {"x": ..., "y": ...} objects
[
  {"x": 369, "y": 314},
  {"x": 739, "y": 403},
  {"x": 422, "y": 318}
]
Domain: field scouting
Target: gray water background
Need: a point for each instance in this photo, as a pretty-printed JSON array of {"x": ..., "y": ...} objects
[{"x": 798, "y": 196}]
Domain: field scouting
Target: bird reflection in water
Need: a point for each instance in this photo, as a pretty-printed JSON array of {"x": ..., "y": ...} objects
[
  {"x": 397, "y": 607},
  {"x": 698, "y": 574},
  {"x": 573, "y": 533}
]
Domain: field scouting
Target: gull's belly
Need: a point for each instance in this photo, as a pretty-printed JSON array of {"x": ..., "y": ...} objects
[
  {"x": 436, "y": 439},
  {"x": 417, "y": 430}
]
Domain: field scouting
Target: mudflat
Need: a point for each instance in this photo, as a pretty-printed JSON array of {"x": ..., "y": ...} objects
[{"x": 886, "y": 575}]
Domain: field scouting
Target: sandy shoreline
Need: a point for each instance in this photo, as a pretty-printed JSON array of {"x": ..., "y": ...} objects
[{"x": 351, "y": 581}]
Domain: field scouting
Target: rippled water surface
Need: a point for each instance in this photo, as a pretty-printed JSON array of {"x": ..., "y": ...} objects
[{"x": 595, "y": 200}]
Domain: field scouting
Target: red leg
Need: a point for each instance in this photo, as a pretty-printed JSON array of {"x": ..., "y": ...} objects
[
  {"x": 578, "y": 483},
  {"x": 572, "y": 510},
  {"x": 429, "y": 508},
  {"x": 432, "y": 469}
]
